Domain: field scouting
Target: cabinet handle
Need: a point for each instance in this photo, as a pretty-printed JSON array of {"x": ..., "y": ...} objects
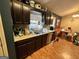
[
  {"x": 25, "y": 44},
  {"x": 29, "y": 42}
]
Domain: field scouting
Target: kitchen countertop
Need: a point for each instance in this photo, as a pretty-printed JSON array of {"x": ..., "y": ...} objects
[{"x": 19, "y": 38}]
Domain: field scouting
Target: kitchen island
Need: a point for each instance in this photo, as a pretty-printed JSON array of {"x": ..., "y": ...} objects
[{"x": 28, "y": 44}]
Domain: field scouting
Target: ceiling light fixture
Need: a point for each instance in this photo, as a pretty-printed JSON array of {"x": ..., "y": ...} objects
[
  {"x": 27, "y": 2},
  {"x": 75, "y": 15},
  {"x": 45, "y": 1}
]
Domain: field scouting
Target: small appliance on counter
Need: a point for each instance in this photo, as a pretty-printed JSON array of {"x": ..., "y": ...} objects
[{"x": 51, "y": 28}]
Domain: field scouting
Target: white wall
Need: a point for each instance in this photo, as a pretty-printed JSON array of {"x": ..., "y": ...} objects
[{"x": 68, "y": 21}]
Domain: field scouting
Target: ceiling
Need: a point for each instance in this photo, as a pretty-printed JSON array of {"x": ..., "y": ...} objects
[{"x": 61, "y": 7}]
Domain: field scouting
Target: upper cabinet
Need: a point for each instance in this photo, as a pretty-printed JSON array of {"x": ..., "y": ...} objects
[
  {"x": 20, "y": 13},
  {"x": 16, "y": 12},
  {"x": 21, "y": 10},
  {"x": 26, "y": 14},
  {"x": 47, "y": 17}
]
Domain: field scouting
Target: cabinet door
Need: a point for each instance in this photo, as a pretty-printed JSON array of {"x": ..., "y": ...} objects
[
  {"x": 17, "y": 12},
  {"x": 26, "y": 14},
  {"x": 38, "y": 44},
  {"x": 24, "y": 50},
  {"x": 30, "y": 47},
  {"x": 47, "y": 18},
  {"x": 44, "y": 39},
  {"x": 20, "y": 13},
  {"x": 21, "y": 51},
  {"x": 53, "y": 36}
]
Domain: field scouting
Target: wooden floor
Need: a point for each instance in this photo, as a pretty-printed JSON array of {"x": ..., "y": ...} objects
[{"x": 58, "y": 50}]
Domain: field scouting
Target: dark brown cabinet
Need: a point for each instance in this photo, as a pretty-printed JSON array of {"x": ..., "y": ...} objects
[
  {"x": 20, "y": 13},
  {"x": 26, "y": 14},
  {"x": 26, "y": 47},
  {"x": 38, "y": 42},
  {"x": 22, "y": 51},
  {"x": 44, "y": 39},
  {"x": 47, "y": 17},
  {"x": 16, "y": 12}
]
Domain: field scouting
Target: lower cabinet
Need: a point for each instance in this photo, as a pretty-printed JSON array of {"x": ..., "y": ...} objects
[
  {"x": 53, "y": 36},
  {"x": 44, "y": 39},
  {"x": 38, "y": 43},
  {"x": 24, "y": 50},
  {"x": 26, "y": 47}
]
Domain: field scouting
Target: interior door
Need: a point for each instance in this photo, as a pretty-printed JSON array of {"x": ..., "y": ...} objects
[
  {"x": 3, "y": 46},
  {"x": 1, "y": 51}
]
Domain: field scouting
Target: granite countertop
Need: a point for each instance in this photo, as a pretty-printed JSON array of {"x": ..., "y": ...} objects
[{"x": 18, "y": 38}]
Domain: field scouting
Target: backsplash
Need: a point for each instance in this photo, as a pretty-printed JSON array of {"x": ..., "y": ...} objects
[{"x": 20, "y": 30}]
